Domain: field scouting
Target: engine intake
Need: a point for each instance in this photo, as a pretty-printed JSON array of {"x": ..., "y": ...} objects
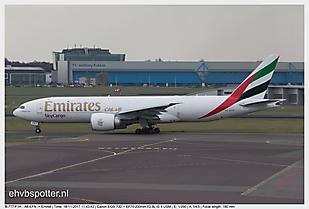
[{"x": 105, "y": 122}]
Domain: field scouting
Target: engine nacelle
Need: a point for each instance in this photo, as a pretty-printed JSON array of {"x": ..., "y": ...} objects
[{"x": 104, "y": 121}]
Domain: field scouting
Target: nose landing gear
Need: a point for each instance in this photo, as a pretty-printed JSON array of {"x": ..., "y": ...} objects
[
  {"x": 37, "y": 130},
  {"x": 36, "y": 124}
]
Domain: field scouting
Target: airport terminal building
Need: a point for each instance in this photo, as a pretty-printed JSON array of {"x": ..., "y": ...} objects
[{"x": 73, "y": 65}]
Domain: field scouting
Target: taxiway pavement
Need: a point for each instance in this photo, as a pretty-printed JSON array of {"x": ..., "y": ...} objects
[{"x": 204, "y": 168}]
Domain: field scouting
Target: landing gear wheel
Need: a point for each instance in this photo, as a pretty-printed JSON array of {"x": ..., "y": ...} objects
[
  {"x": 150, "y": 131},
  {"x": 38, "y": 130},
  {"x": 147, "y": 131},
  {"x": 138, "y": 131},
  {"x": 156, "y": 130}
]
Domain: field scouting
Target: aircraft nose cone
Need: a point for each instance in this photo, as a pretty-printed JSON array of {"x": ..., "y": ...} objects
[{"x": 15, "y": 112}]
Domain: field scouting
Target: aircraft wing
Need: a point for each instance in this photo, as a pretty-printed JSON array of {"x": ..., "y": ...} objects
[{"x": 145, "y": 113}]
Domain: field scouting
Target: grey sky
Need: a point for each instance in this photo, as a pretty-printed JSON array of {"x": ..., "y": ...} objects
[{"x": 149, "y": 32}]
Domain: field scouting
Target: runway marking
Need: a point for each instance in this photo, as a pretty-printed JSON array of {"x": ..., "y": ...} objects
[
  {"x": 273, "y": 196},
  {"x": 132, "y": 148},
  {"x": 34, "y": 137},
  {"x": 243, "y": 161},
  {"x": 91, "y": 170},
  {"x": 290, "y": 142},
  {"x": 67, "y": 148},
  {"x": 140, "y": 148},
  {"x": 70, "y": 166},
  {"x": 285, "y": 180},
  {"x": 271, "y": 178},
  {"x": 231, "y": 146},
  {"x": 82, "y": 140},
  {"x": 82, "y": 163}
]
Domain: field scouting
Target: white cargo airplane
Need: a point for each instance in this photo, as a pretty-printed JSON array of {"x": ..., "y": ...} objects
[{"x": 109, "y": 113}]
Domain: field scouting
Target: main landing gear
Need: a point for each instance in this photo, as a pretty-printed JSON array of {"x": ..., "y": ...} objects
[
  {"x": 147, "y": 131},
  {"x": 147, "y": 127}
]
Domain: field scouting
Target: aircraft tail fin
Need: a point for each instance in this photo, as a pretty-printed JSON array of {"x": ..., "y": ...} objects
[
  {"x": 256, "y": 84},
  {"x": 253, "y": 87}
]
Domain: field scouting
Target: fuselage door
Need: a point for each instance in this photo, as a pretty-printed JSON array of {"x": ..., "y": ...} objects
[{"x": 39, "y": 108}]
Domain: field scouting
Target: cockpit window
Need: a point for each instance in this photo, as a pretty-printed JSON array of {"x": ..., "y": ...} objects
[{"x": 22, "y": 107}]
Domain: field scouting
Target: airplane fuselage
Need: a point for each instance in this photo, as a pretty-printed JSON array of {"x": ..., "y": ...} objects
[{"x": 80, "y": 109}]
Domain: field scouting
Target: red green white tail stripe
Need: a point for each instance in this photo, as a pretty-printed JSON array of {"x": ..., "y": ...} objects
[{"x": 254, "y": 86}]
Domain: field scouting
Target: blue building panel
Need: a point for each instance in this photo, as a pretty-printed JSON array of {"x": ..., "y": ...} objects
[
  {"x": 224, "y": 78},
  {"x": 186, "y": 78},
  {"x": 284, "y": 78},
  {"x": 295, "y": 78},
  {"x": 159, "y": 78},
  {"x": 183, "y": 78},
  {"x": 278, "y": 78},
  {"x": 131, "y": 78},
  {"x": 122, "y": 78},
  {"x": 183, "y": 73},
  {"x": 143, "y": 78},
  {"x": 236, "y": 78}
]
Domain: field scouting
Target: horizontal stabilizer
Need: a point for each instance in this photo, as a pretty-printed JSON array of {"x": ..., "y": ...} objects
[{"x": 263, "y": 101}]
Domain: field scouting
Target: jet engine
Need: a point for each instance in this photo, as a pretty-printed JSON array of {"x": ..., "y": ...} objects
[{"x": 105, "y": 122}]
